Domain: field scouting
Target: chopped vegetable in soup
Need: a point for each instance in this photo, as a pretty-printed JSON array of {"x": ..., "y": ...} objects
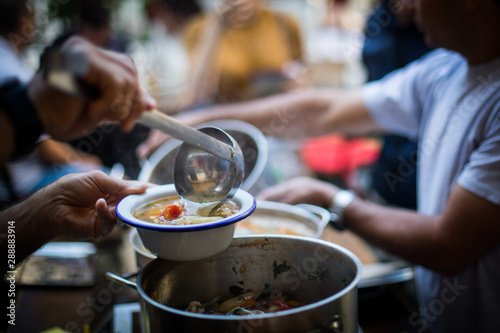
[
  {"x": 173, "y": 210},
  {"x": 249, "y": 303}
]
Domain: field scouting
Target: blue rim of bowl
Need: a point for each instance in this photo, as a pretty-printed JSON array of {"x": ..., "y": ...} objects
[{"x": 135, "y": 222}]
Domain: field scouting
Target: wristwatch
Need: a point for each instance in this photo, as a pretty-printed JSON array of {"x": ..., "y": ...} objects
[{"x": 340, "y": 202}]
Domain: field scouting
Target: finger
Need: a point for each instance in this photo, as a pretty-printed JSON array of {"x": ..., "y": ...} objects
[
  {"x": 116, "y": 189},
  {"x": 105, "y": 218},
  {"x": 116, "y": 80},
  {"x": 143, "y": 102},
  {"x": 104, "y": 108},
  {"x": 136, "y": 107}
]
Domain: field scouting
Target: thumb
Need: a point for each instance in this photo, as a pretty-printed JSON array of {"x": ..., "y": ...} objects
[{"x": 105, "y": 218}]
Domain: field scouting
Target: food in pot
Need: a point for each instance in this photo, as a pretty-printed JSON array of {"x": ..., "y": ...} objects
[
  {"x": 176, "y": 211},
  {"x": 268, "y": 224},
  {"x": 249, "y": 303}
]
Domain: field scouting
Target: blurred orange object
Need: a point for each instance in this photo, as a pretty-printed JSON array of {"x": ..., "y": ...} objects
[{"x": 334, "y": 154}]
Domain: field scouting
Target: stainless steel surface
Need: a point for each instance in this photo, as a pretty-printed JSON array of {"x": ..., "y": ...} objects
[
  {"x": 60, "y": 264},
  {"x": 385, "y": 273},
  {"x": 202, "y": 177},
  {"x": 323, "y": 214},
  {"x": 324, "y": 276},
  {"x": 123, "y": 281},
  {"x": 125, "y": 315},
  {"x": 142, "y": 256},
  {"x": 314, "y": 219},
  {"x": 160, "y": 121}
]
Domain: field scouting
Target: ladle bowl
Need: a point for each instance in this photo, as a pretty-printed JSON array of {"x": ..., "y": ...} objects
[{"x": 202, "y": 177}]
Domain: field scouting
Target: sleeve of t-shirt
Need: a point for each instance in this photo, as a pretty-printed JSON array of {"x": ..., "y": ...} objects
[
  {"x": 392, "y": 102},
  {"x": 481, "y": 174},
  {"x": 396, "y": 102}
]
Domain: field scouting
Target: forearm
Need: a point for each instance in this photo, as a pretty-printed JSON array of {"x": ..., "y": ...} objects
[
  {"x": 297, "y": 114},
  {"x": 463, "y": 233},
  {"x": 31, "y": 223},
  {"x": 412, "y": 236},
  {"x": 60, "y": 152}
]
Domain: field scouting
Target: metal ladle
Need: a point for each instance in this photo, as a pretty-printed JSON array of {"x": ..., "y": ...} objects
[
  {"x": 209, "y": 166},
  {"x": 205, "y": 178}
]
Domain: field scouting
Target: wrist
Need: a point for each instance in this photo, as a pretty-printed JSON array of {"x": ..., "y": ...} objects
[
  {"x": 50, "y": 209},
  {"x": 38, "y": 211}
]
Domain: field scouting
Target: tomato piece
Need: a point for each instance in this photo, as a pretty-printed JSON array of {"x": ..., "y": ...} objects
[{"x": 171, "y": 212}]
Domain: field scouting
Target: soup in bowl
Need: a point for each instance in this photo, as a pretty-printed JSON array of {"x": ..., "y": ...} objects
[
  {"x": 192, "y": 239},
  {"x": 176, "y": 211}
]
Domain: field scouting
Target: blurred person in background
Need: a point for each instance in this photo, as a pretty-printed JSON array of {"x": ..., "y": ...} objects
[
  {"x": 392, "y": 40},
  {"x": 241, "y": 51},
  {"x": 162, "y": 59},
  {"x": 51, "y": 159},
  {"x": 92, "y": 21},
  {"x": 114, "y": 147}
]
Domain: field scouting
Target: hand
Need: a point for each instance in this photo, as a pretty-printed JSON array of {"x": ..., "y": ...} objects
[
  {"x": 301, "y": 190},
  {"x": 83, "y": 204},
  {"x": 113, "y": 75}
]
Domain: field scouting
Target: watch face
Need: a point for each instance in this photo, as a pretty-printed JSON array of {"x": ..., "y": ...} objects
[{"x": 343, "y": 199}]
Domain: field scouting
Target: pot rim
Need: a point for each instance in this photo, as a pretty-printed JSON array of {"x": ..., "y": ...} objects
[
  {"x": 311, "y": 306},
  {"x": 125, "y": 208}
]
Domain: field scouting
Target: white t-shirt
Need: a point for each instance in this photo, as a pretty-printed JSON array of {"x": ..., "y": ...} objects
[{"x": 454, "y": 111}]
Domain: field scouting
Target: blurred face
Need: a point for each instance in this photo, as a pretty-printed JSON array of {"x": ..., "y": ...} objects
[
  {"x": 404, "y": 11},
  {"x": 441, "y": 22},
  {"x": 240, "y": 11}
]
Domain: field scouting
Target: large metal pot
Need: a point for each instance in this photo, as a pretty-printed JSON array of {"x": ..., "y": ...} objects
[{"x": 322, "y": 275}]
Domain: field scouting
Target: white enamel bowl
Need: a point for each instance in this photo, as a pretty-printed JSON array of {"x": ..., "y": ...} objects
[{"x": 183, "y": 242}]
